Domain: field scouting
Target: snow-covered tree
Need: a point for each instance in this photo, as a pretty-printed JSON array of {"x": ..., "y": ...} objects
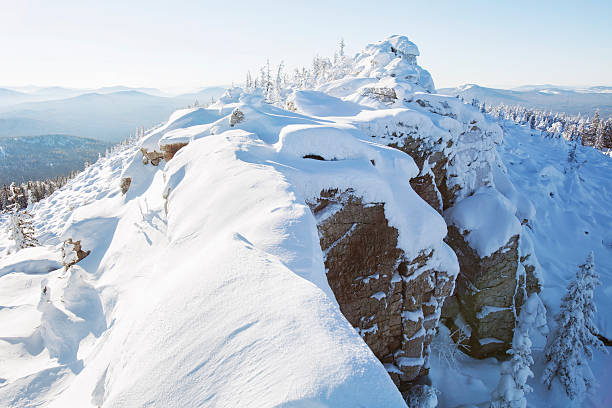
[
  {"x": 277, "y": 94},
  {"x": 21, "y": 231},
  {"x": 249, "y": 81},
  {"x": 589, "y": 136},
  {"x": 450, "y": 346},
  {"x": 512, "y": 388},
  {"x": 575, "y": 336},
  {"x": 603, "y": 135}
]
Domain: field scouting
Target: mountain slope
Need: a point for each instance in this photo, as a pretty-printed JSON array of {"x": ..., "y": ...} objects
[
  {"x": 45, "y": 156},
  {"x": 118, "y": 112},
  {"x": 556, "y": 99}
]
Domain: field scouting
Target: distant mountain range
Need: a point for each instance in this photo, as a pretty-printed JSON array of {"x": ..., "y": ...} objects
[
  {"x": 572, "y": 100},
  {"x": 108, "y": 114},
  {"x": 46, "y": 156}
]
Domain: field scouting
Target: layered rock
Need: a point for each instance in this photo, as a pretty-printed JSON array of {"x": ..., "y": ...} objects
[
  {"x": 454, "y": 147},
  {"x": 490, "y": 287},
  {"x": 394, "y": 302}
]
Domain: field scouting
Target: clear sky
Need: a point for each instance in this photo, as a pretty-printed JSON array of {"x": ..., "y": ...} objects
[{"x": 169, "y": 44}]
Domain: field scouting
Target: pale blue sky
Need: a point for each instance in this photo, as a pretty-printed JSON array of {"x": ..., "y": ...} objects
[{"x": 195, "y": 43}]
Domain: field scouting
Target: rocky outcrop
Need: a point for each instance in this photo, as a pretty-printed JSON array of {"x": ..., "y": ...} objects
[
  {"x": 380, "y": 94},
  {"x": 489, "y": 294},
  {"x": 167, "y": 153},
  {"x": 153, "y": 157},
  {"x": 169, "y": 150},
  {"x": 393, "y": 302},
  {"x": 489, "y": 289},
  {"x": 236, "y": 117},
  {"x": 125, "y": 184},
  {"x": 72, "y": 253}
]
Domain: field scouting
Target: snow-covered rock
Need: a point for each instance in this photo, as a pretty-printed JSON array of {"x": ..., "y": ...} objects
[{"x": 460, "y": 175}]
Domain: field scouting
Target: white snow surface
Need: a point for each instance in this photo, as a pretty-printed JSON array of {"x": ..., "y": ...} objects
[
  {"x": 206, "y": 284},
  {"x": 474, "y": 215}
]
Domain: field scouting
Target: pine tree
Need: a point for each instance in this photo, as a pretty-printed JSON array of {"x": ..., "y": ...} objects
[
  {"x": 512, "y": 387},
  {"x": 575, "y": 336}
]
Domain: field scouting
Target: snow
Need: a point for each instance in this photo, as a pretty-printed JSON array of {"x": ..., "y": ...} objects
[
  {"x": 487, "y": 310},
  {"x": 207, "y": 277},
  {"x": 31, "y": 261},
  {"x": 180, "y": 293},
  {"x": 489, "y": 340},
  {"x": 315, "y": 103},
  {"x": 489, "y": 219},
  {"x": 379, "y": 295},
  {"x": 413, "y": 316},
  {"x": 394, "y": 56}
]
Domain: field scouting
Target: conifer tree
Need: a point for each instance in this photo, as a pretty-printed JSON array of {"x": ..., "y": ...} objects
[
  {"x": 575, "y": 336},
  {"x": 512, "y": 388},
  {"x": 21, "y": 231}
]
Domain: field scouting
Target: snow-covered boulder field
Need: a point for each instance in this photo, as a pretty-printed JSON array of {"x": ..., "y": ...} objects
[{"x": 295, "y": 252}]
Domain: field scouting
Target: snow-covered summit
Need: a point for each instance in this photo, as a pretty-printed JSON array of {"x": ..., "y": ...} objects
[{"x": 394, "y": 57}]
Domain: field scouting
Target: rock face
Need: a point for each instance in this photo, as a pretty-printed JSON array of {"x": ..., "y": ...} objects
[
  {"x": 490, "y": 290},
  {"x": 485, "y": 295},
  {"x": 393, "y": 302},
  {"x": 453, "y": 166}
]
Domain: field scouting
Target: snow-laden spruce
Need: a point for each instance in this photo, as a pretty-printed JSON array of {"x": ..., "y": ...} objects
[
  {"x": 512, "y": 388},
  {"x": 575, "y": 337}
]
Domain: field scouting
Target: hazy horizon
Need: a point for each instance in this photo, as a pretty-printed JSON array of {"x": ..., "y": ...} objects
[
  {"x": 148, "y": 44},
  {"x": 27, "y": 88}
]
